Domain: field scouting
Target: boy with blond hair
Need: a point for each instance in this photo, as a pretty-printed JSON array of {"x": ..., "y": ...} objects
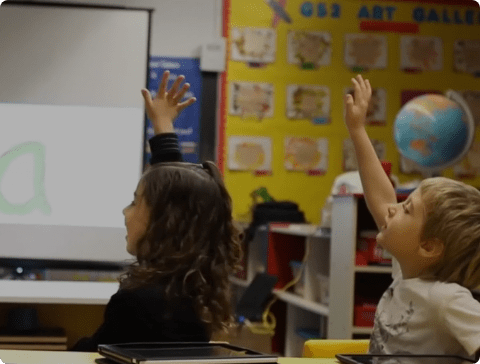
[{"x": 434, "y": 237}]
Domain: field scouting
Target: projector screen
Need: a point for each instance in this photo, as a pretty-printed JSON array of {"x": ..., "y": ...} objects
[{"x": 71, "y": 129}]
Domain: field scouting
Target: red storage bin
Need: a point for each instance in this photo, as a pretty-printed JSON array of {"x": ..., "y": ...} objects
[
  {"x": 368, "y": 252},
  {"x": 364, "y": 315}
]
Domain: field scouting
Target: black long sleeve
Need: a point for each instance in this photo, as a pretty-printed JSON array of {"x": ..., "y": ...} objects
[
  {"x": 165, "y": 148},
  {"x": 143, "y": 315}
]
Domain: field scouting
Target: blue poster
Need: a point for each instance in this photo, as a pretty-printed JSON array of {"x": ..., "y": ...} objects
[{"x": 187, "y": 125}]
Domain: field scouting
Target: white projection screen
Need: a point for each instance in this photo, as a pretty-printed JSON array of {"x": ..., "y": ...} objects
[{"x": 71, "y": 129}]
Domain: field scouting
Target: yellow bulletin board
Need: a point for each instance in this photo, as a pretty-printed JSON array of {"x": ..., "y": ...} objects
[{"x": 283, "y": 118}]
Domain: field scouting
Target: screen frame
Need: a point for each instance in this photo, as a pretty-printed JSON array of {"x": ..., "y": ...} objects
[{"x": 34, "y": 263}]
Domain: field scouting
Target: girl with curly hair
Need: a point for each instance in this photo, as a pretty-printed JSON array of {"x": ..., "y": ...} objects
[{"x": 181, "y": 231}]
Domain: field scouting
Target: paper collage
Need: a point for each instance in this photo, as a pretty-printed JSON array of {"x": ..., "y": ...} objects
[
  {"x": 249, "y": 153},
  {"x": 377, "y": 108},
  {"x": 309, "y": 50},
  {"x": 350, "y": 159},
  {"x": 421, "y": 53},
  {"x": 467, "y": 56},
  {"x": 251, "y": 99},
  {"x": 366, "y": 51},
  {"x": 306, "y": 154},
  {"x": 308, "y": 102},
  {"x": 253, "y": 45}
]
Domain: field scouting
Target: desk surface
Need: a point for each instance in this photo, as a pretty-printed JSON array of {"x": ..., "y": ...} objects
[{"x": 62, "y": 357}]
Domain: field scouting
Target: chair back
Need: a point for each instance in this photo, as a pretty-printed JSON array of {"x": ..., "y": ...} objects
[{"x": 329, "y": 348}]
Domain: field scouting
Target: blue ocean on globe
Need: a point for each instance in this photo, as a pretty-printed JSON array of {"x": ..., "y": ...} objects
[{"x": 432, "y": 130}]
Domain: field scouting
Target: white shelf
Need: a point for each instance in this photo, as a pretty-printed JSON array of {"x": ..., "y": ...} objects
[
  {"x": 298, "y": 301},
  {"x": 84, "y": 293},
  {"x": 301, "y": 230},
  {"x": 373, "y": 269},
  {"x": 239, "y": 282},
  {"x": 361, "y": 330}
]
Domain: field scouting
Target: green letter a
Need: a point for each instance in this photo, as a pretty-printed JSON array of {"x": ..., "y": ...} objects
[{"x": 38, "y": 200}]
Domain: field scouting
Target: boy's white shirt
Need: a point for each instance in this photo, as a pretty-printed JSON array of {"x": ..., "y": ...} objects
[{"x": 422, "y": 317}]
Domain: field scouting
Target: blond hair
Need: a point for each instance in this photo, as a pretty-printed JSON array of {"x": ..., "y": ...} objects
[{"x": 453, "y": 216}]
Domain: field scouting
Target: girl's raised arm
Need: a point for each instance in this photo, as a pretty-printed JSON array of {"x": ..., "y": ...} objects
[{"x": 164, "y": 108}]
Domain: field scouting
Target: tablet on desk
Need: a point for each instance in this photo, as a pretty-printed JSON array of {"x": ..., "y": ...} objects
[
  {"x": 182, "y": 353},
  {"x": 401, "y": 359}
]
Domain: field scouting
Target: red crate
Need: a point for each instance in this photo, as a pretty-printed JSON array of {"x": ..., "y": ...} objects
[{"x": 364, "y": 315}]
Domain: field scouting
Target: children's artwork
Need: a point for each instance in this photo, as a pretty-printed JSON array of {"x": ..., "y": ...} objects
[
  {"x": 467, "y": 56},
  {"x": 306, "y": 154},
  {"x": 366, "y": 51},
  {"x": 472, "y": 98},
  {"x": 249, "y": 153},
  {"x": 408, "y": 166},
  {"x": 377, "y": 108},
  {"x": 421, "y": 53},
  {"x": 350, "y": 159},
  {"x": 308, "y": 102},
  {"x": 309, "y": 49},
  {"x": 469, "y": 167},
  {"x": 253, "y": 45},
  {"x": 251, "y": 99}
]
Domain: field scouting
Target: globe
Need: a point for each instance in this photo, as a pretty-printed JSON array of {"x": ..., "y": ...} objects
[{"x": 434, "y": 131}]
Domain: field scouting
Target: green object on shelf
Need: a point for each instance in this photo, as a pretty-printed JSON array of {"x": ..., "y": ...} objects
[
  {"x": 263, "y": 194},
  {"x": 358, "y": 69}
]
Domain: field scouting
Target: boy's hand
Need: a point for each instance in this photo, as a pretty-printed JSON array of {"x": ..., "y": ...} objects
[
  {"x": 166, "y": 105},
  {"x": 357, "y": 106}
]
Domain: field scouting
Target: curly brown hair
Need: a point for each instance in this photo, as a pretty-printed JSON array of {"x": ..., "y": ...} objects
[{"x": 191, "y": 244}]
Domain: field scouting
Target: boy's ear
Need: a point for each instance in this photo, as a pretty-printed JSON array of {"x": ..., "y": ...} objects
[{"x": 431, "y": 248}]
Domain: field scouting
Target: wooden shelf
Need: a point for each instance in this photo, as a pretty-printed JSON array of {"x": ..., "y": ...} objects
[
  {"x": 298, "y": 301},
  {"x": 373, "y": 269},
  {"x": 361, "y": 330}
]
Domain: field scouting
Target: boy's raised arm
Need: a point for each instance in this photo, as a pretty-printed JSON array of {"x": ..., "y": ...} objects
[{"x": 377, "y": 188}]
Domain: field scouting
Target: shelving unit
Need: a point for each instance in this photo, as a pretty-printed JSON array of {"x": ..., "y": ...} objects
[
  {"x": 331, "y": 254},
  {"x": 298, "y": 301},
  {"x": 373, "y": 269}
]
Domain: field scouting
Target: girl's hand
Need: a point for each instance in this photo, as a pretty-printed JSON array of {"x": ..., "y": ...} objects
[
  {"x": 166, "y": 105},
  {"x": 357, "y": 106}
]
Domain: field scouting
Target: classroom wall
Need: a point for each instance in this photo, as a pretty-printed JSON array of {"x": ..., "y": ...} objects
[{"x": 179, "y": 26}]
